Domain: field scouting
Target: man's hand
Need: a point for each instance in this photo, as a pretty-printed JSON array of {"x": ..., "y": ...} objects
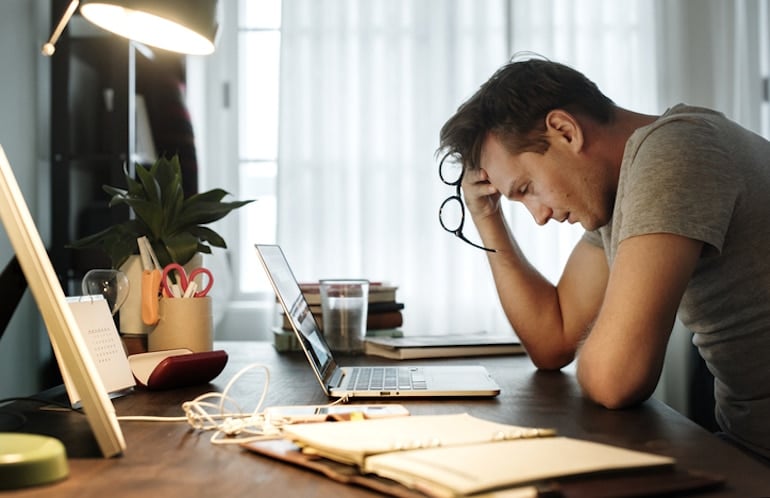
[{"x": 482, "y": 199}]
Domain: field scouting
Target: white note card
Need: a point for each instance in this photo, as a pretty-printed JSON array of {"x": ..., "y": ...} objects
[{"x": 95, "y": 322}]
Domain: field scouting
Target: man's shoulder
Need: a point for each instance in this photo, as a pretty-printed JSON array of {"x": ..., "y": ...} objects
[
  {"x": 683, "y": 123},
  {"x": 680, "y": 110},
  {"x": 684, "y": 136}
]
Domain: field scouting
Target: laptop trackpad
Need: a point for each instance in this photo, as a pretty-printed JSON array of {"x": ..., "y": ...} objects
[{"x": 459, "y": 378}]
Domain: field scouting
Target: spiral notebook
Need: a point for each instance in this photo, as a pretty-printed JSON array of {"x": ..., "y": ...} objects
[{"x": 339, "y": 381}]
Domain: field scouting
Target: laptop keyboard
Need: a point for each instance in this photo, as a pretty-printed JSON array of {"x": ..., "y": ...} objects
[{"x": 387, "y": 379}]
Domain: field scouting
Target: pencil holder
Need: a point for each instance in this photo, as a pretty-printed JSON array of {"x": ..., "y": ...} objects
[
  {"x": 184, "y": 323},
  {"x": 131, "y": 311}
]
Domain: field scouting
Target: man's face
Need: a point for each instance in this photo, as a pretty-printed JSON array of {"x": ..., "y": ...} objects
[{"x": 560, "y": 184}]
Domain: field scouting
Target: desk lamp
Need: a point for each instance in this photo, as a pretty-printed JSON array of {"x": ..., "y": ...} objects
[{"x": 184, "y": 26}]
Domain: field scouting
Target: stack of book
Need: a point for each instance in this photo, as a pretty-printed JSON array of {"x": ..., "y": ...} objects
[
  {"x": 384, "y": 314},
  {"x": 384, "y": 311}
]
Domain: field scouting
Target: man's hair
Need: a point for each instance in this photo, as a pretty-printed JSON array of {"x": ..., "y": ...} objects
[{"x": 513, "y": 105}]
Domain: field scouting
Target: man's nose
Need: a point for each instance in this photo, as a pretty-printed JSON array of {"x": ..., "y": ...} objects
[{"x": 539, "y": 212}]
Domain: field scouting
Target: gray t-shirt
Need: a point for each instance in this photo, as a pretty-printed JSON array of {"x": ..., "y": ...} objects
[{"x": 695, "y": 173}]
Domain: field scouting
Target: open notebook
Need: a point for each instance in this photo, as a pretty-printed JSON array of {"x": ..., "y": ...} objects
[
  {"x": 462, "y": 455},
  {"x": 364, "y": 381}
]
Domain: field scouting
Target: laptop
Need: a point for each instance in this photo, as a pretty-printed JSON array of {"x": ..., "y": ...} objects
[{"x": 364, "y": 381}]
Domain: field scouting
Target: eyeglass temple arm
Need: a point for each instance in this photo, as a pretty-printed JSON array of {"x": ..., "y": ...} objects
[{"x": 462, "y": 237}]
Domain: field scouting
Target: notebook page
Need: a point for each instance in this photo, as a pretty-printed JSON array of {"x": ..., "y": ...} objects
[
  {"x": 463, "y": 470},
  {"x": 351, "y": 442}
]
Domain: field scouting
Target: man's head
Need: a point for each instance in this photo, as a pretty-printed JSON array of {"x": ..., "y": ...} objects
[
  {"x": 513, "y": 105},
  {"x": 535, "y": 132}
]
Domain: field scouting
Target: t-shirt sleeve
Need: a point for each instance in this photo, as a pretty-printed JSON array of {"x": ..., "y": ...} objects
[{"x": 679, "y": 181}]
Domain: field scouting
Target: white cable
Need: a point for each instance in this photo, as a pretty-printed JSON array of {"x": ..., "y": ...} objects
[
  {"x": 220, "y": 413},
  {"x": 144, "y": 418}
]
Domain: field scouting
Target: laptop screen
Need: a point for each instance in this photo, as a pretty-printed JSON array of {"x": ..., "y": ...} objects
[{"x": 294, "y": 303}]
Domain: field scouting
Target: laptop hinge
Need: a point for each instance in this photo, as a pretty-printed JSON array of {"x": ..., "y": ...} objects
[{"x": 336, "y": 378}]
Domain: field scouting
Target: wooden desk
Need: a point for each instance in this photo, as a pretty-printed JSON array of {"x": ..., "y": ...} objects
[{"x": 169, "y": 459}]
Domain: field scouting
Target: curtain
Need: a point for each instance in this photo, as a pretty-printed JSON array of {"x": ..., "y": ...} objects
[
  {"x": 365, "y": 88},
  {"x": 710, "y": 54}
]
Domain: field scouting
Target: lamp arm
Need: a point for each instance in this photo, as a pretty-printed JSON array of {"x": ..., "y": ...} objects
[{"x": 49, "y": 48}]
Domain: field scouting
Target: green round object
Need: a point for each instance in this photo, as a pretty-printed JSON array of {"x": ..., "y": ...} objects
[{"x": 30, "y": 460}]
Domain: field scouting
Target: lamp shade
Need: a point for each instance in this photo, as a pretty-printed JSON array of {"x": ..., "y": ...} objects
[{"x": 185, "y": 26}]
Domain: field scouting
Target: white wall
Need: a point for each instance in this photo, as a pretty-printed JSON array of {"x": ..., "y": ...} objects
[{"x": 24, "y": 136}]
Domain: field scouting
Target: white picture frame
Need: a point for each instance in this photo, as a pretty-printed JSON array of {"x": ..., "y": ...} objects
[{"x": 68, "y": 344}]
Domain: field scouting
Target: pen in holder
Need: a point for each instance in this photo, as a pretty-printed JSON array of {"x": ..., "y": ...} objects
[{"x": 183, "y": 323}]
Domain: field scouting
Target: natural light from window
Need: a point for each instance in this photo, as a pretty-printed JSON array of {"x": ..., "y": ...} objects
[{"x": 259, "y": 49}]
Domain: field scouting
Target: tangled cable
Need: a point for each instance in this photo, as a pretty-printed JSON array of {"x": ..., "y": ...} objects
[
  {"x": 220, "y": 413},
  {"x": 226, "y": 418}
]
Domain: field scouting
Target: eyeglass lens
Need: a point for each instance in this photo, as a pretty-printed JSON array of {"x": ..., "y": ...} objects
[
  {"x": 451, "y": 214},
  {"x": 450, "y": 170}
]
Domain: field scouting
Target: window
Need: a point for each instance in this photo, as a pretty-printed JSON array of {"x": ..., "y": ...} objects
[
  {"x": 259, "y": 48},
  {"x": 361, "y": 100},
  {"x": 233, "y": 98}
]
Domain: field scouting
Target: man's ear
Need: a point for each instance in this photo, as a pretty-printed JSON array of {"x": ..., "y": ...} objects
[{"x": 562, "y": 125}]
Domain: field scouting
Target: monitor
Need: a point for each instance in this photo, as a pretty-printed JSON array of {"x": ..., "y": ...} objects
[{"x": 68, "y": 344}]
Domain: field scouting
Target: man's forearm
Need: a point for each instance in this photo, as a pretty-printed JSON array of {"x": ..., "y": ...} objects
[{"x": 530, "y": 302}]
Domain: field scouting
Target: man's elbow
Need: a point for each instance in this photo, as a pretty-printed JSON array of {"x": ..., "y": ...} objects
[
  {"x": 551, "y": 360},
  {"x": 614, "y": 399},
  {"x": 614, "y": 392}
]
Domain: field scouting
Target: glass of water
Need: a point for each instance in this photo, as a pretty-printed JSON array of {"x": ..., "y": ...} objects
[{"x": 344, "y": 306}]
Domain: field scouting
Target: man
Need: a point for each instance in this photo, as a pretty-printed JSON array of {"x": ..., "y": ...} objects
[{"x": 677, "y": 216}]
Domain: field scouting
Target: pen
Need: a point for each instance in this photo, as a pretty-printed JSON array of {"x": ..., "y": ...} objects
[{"x": 192, "y": 287}]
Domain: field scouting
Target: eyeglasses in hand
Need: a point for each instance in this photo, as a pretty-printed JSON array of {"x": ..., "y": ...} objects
[{"x": 451, "y": 214}]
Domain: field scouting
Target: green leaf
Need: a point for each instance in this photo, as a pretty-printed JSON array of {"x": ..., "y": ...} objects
[
  {"x": 202, "y": 213},
  {"x": 150, "y": 186},
  {"x": 204, "y": 249},
  {"x": 214, "y": 195},
  {"x": 206, "y": 234},
  {"x": 173, "y": 224},
  {"x": 150, "y": 215},
  {"x": 181, "y": 247},
  {"x": 135, "y": 188},
  {"x": 118, "y": 241},
  {"x": 115, "y": 192}
]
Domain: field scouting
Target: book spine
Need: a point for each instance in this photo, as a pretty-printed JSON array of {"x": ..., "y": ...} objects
[
  {"x": 378, "y": 292},
  {"x": 386, "y": 320}
]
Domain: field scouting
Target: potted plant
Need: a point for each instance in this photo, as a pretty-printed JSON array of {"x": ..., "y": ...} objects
[{"x": 173, "y": 224}]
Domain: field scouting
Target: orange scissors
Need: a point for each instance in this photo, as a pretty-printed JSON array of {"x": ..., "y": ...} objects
[{"x": 185, "y": 285}]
